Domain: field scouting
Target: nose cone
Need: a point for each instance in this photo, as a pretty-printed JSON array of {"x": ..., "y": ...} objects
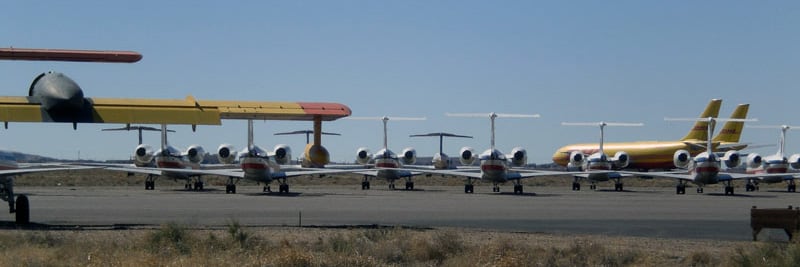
[{"x": 57, "y": 92}]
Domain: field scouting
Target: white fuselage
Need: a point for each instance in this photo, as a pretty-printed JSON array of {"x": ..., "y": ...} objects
[
  {"x": 494, "y": 166},
  {"x": 772, "y": 164},
  {"x": 256, "y": 168},
  {"x": 174, "y": 160},
  {"x": 441, "y": 161},
  {"x": 705, "y": 169},
  {"x": 597, "y": 162},
  {"x": 387, "y": 162}
]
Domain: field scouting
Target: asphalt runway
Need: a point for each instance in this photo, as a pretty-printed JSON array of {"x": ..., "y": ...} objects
[{"x": 651, "y": 212}]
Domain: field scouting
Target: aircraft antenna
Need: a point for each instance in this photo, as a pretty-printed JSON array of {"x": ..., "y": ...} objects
[
  {"x": 492, "y": 116},
  {"x": 602, "y": 125}
]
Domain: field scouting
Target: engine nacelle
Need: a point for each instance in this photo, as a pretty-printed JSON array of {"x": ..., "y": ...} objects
[
  {"x": 195, "y": 153},
  {"x": 794, "y": 161},
  {"x": 621, "y": 160},
  {"x": 753, "y": 161},
  {"x": 576, "y": 158},
  {"x": 681, "y": 158},
  {"x": 226, "y": 154},
  {"x": 143, "y": 155},
  {"x": 467, "y": 155},
  {"x": 362, "y": 155},
  {"x": 282, "y": 154},
  {"x": 732, "y": 159},
  {"x": 409, "y": 156},
  {"x": 519, "y": 157}
]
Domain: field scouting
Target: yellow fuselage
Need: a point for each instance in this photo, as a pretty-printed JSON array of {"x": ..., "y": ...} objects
[{"x": 643, "y": 155}]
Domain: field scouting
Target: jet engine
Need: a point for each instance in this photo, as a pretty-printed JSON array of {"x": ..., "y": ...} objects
[
  {"x": 226, "y": 154},
  {"x": 681, "y": 158},
  {"x": 576, "y": 158},
  {"x": 467, "y": 155},
  {"x": 794, "y": 161},
  {"x": 621, "y": 159},
  {"x": 732, "y": 159},
  {"x": 195, "y": 153},
  {"x": 143, "y": 155},
  {"x": 282, "y": 154},
  {"x": 316, "y": 156},
  {"x": 363, "y": 155},
  {"x": 409, "y": 156},
  {"x": 753, "y": 161},
  {"x": 519, "y": 157}
]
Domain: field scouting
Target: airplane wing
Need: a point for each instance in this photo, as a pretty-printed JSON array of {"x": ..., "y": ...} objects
[
  {"x": 673, "y": 175},
  {"x": 400, "y": 172},
  {"x": 166, "y": 111},
  {"x": 33, "y": 170}
]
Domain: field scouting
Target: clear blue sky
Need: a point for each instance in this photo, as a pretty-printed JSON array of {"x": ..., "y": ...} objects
[{"x": 626, "y": 61}]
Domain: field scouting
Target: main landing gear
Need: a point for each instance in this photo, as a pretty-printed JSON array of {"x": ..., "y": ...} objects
[
  {"x": 728, "y": 188},
  {"x": 752, "y": 185},
  {"x": 23, "y": 212},
  {"x": 20, "y": 206},
  {"x": 576, "y": 186},
  {"x": 791, "y": 187},
  {"x": 283, "y": 187},
  {"x": 365, "y": 183},
  {"x": 150, "y": 182},
  {"x": 681, "y": 188},
  {"x": 469, "y": 188},
  {"x": 230, "y": 188}
]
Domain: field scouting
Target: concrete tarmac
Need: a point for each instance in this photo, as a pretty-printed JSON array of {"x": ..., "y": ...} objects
[{"x": 651, "y": 212}]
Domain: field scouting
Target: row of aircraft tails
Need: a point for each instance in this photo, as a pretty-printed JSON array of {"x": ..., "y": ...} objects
[{"x": 698, "y": 157}]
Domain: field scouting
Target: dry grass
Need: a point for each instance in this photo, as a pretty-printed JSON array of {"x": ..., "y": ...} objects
[{"x": 176, "y": 245}]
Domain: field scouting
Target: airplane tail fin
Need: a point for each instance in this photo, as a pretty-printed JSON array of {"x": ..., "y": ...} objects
[
  {"x": 732, "y": 130},
  {"x": 700, "y": 129}
]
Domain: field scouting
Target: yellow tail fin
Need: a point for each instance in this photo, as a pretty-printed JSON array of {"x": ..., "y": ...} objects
[
  {"x": 732, "y": 130},
  {"x": 699, "y": 131}
]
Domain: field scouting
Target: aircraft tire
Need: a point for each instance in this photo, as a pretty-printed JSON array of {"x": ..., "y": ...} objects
[
  {"x": 576, "y": 186},
  {"x": 23, "y": 213}
]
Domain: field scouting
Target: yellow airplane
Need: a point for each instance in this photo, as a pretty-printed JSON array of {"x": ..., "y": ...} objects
[{"x": 649, "y": 155}]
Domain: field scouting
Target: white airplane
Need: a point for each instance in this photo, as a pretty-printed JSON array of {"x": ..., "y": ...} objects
[
  {"x": 597, "y": 166},
  {"x": 704, "y": 169},
  {"x": 261, "y": 166},
  {"x": 773, "y": 164},
  {"x": 494, "y": 165},
  {"x": 388, "y": 165},
  {"x": 9, "y": 168},
  {"x": 167, "y": 162},
  {"x": 440, "y": 160}
]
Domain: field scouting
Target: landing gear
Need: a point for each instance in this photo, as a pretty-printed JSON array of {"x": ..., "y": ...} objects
[
  {"x": 495, "y": 188},
  {"x": 728, "y": 188},
  {"x": 680, "y": 189},
  {"x": 23, "y": 210},
  {"x": 791, "y": 187},
  {"x": 267, "y": 189},
  {"x": 517, "y": 187},
  {"x": 409, "y": 185},
  {"x": 469, "y": 188},
  {"x": 283, "y": 189},
  {"x": 365, "y": 183},
  {"x": 618, "y": 187},
  {"x": 150, "y": 182},
  {"x": 699, "y": 190},
  {"x": 391, "y": 185},
  {"x": 593, "y": 186},
  {"x": 230, "y": 188},
  {"x": 576, "y": 186},
  {"x": 198, "y": 186},
  {"x": 749, "y": 187}
]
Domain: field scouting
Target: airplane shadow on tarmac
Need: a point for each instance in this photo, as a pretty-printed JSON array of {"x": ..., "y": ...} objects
[{"x": 738, "y": 195}]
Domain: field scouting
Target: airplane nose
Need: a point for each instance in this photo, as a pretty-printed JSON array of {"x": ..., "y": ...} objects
[{"x": 56, "y": 91}]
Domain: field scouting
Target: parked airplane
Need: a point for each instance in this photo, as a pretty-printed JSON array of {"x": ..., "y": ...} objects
[
  {"x": 653, "y": 155},
  {"x": 441, "y": 160},
  {"x": 704, "y": 168},
  {"x": 9, "y": 168},
  {"x": 597, "y": 166},
  {"x": 773, "y": 164},
  {"x": 494, "y": 165},
  {"x": 387, "y": 164},
  {"x": 168, "y": 162}
]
